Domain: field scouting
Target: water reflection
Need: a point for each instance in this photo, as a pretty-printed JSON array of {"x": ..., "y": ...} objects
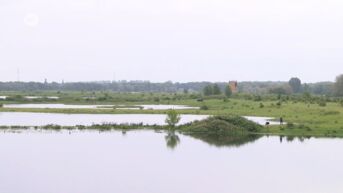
[
  {"x": 172, "y": 139},
  {"x": 88, "y": 161},
  {"x": 292, "y": 138},
  {"x": 228, "y": 140}
]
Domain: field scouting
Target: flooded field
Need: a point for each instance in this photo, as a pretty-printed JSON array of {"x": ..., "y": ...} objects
[
  {"x": 148, "y": 162},
  {"x": 263, "y": 120},
  {"x": 41, "y": 119},
  {"x": 67, "y": 106}
]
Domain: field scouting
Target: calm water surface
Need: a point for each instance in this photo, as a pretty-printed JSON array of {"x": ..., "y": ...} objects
[
  {"x": 67, "y": 106},
  {"x": 41, "y": 119},
  {"x": 141, "y": 161}
]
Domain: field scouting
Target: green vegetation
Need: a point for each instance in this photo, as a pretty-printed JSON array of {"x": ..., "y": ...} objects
[
  {"x": 212, "y": 89},
  {"x": 173, "y": 118},
  {"x": 295, "y": 84},
  {"x": 228, "y": 91},
  {"x": 222, "y": 125},
  {"x": 311, "y": 115},
  {"x": 306, "y": 112},
  {"x": 339, "y": 86}
]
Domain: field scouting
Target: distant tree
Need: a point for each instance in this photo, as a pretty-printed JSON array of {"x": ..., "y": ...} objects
[
  {"x": 295, "y": 84},
  {"x": 338, "y": 87},
  {"x": 228, "y": 91},
  {"x": 173, "y": 118},
  {"x": 208, "y": 90},
  {"x": 281, "y": 90},
  {"x": 307, "y": 95},
  {"x": 216, "y": 90}
]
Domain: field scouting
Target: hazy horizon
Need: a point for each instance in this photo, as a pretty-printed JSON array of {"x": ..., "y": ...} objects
[
  {"x": 117, "y": 81},
  {"x": 180, "y": 40}
]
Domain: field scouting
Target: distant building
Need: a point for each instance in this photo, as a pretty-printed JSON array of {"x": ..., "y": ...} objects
[{"x": 234, "y": 86}]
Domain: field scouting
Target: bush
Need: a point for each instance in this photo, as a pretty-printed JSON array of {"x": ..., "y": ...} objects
[
  {"x": 223, "y": 124},
  {"x": 279, "y": 104},
  {"x": 261, "y": 105},
  {"x": 257, "y": 98},
  {"x": 341, "y": 102},
  {"x": 204, "y": 107},
  {"x": 322, "y": 103},
  {"x": 290, "y": 125}
]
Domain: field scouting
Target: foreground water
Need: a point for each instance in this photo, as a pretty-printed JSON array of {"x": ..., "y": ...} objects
[{"x": 148, "y": 162}]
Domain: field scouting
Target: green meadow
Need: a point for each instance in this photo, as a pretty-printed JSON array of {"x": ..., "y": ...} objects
[{"x": 304, "y": 116}]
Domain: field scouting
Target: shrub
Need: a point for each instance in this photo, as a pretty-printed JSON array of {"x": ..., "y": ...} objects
[
  {"x": 279, "y": 104},
  {"x": 223, "y": 124},
  {"x": 156, "y": 99},
  {"x": 322, "y": 103},
  {"x": 257, "y": 98},
  {"x": 290, "y": 125},
  {"x": 204, "y": 107}
]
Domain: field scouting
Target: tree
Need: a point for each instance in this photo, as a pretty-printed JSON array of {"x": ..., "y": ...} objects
[
  {"x": 339, "y": 85},
  {"x": 208, "y": 90},
  {"x": 281, "y": 90},
  {"x": 295, "y": 84},
  {"x": 216, "y": 90},
  {"x": 173, "y": 118},
  {"x": 228, "y": 91}
]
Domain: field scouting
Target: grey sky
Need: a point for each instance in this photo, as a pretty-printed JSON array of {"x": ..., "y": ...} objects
[{"x": 178, "y": 40}]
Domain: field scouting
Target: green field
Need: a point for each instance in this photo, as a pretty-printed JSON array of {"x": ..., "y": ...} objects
[{"x": 304, "y": 117}]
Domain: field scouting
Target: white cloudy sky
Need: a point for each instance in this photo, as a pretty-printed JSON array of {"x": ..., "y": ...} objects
[{"x": 178, "y": 40}]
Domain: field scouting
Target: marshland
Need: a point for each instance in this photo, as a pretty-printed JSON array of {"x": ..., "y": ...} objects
[{"x": 178, "y": 96}]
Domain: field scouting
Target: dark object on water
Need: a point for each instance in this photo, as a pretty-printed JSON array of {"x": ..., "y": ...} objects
[
  {"x": 281, "y": 121},
  {"x": 267, "y": 123}
]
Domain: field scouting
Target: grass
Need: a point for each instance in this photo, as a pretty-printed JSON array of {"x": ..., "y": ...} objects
[{"x": 306, "y": 118}]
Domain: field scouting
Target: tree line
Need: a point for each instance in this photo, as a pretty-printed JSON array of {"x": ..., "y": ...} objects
[{"x": 294, "y": 85}]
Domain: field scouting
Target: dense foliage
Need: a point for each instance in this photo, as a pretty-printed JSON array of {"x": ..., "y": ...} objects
[
  {"x": 222, "y": 125},
  {"x": 322, "y": 88}
]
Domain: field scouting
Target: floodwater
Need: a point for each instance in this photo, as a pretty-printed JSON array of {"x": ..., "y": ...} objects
[
  {"x": 163, "y": 107},
  {"x": 149, "y": 162},
  {"x": 263, "y": 120},
  {"x": 41, "y": 119},
  {"x": 53, "y": 106},
  {"x": 67, "y": 106}
]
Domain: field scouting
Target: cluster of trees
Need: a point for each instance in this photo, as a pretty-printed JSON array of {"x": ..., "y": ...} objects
[
  {"x": 322, "y": 88},
  {"x": 215, "y": 89},
  {"x": 212, "y": 89},
  {"x": 294, "y": 85},
  {"x": 118, "y": 86}
]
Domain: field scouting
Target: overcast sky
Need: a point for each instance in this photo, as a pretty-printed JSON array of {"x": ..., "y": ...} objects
[{"x": 178, "y": 40}]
